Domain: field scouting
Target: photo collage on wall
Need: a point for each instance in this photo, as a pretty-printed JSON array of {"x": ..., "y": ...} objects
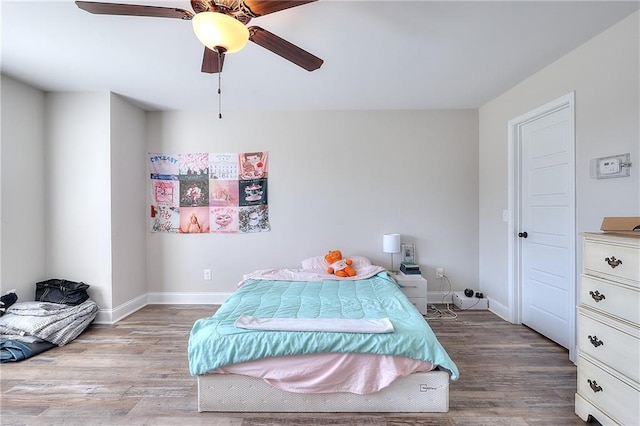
[{"x": 220, "y": 193}]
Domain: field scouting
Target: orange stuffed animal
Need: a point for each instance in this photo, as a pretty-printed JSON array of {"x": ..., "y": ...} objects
[{"x": 339, "y": 266}]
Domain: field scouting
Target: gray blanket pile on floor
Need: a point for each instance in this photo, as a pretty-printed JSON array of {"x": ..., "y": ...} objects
[
  {"x": 53, "y": 322},
  {"x": 28, "y": 328}
]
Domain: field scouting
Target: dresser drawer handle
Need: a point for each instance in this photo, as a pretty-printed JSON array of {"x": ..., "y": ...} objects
[
  {"x": 595, "y": 341},
  {"x": 613, "y": 262},
  {"x": 594, "y": 386},
  {"x": 597, "y": 296}
]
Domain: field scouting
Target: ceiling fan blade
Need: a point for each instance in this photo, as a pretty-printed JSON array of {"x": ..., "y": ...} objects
[
  {"x": 264, "y": 7},
  {"x": 210, "y": 62},
  {"x": 134, "y": 10},
  {"x": 282, "y": 47}
]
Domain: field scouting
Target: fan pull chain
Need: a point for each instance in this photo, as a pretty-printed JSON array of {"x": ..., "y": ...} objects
[{"x": 219, "y": 80}]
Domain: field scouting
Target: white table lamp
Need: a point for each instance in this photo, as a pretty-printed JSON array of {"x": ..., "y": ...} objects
[{"x": 391, "y": 244}]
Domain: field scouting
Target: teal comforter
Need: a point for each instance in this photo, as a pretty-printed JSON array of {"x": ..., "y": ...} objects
[{"x": 215, "y": 341}]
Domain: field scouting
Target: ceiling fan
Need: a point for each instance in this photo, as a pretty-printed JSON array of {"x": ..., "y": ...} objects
[{"x": 241, "y": 11}]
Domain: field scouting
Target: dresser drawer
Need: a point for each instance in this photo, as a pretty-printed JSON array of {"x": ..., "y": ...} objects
[
  {"x": 611, "y": 298},
  {"x": 612, "y": 260},
  {"x": 412, "y": 285},
  {"x": 614, "y": 344},
  {"x": 616, "y": 398},
  {"x": 414, "y": 288}
]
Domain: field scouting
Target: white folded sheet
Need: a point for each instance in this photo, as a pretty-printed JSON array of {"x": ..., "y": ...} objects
[{"x": 336, "y": 325}]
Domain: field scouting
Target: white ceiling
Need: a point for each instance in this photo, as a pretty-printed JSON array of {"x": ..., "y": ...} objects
[{"x": 378, "y": 54}]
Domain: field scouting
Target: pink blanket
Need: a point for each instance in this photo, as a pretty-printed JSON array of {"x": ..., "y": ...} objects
[{"x": 330, "y": 372}]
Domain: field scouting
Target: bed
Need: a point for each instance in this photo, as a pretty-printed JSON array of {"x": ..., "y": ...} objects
[{"x": 303, "y": 340}]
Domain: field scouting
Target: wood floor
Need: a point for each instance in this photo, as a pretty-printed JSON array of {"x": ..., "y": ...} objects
[{"x": 136, "y": 373}]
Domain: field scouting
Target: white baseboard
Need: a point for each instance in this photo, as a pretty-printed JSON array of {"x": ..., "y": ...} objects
[
  {"x": 497, "y": 308},
  {"x": 112, "y": 316},
  {"x": 500, "y": 310}
]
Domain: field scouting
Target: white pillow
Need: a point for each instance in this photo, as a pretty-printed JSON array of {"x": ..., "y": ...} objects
[
  {"x": 318, "y": 262},
  {"x": 359, "y": 262}
]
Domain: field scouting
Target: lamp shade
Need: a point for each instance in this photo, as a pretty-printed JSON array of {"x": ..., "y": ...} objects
[
  {"x": 216, "y": 30},
  {"x": 391, "y": 243}
]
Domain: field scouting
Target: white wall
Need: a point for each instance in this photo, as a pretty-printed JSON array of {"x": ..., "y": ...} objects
[
  {"x": 22, "y": 213},
  {"x": 78, "y": 191},
  {"x": 73, "y": 194},
  {"x": 604, "y": 75},
  {"x": 336, "y": 180},
  {"x": 129, "y": 211}
]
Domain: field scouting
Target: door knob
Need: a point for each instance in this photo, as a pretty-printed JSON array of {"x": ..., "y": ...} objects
[{"x": 523, "y": 234}]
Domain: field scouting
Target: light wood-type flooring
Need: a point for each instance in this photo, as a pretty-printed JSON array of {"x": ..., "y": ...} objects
[{"x": 136, "y": 373}]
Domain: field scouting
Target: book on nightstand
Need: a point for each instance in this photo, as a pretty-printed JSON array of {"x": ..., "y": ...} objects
[{"x": 410, "y": 268}]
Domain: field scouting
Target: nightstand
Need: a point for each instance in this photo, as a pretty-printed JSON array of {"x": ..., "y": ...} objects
[{"x": 415, "y": 288}]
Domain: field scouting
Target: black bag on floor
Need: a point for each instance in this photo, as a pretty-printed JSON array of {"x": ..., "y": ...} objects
[
  {"x": 67, "y": 292},
  {"x": 6, "y": 300}
]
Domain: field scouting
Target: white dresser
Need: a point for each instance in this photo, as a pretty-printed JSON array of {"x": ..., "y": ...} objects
[
  {"x": 415, "y": 288},
  {"x": 608, "y": 336}
]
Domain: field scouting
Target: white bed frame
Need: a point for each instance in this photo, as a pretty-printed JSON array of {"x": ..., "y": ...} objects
[{"x": 417, "y": 393}]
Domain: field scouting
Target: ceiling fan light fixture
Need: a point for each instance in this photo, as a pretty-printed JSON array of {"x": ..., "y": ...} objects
[{"x": 217, "y": 30}]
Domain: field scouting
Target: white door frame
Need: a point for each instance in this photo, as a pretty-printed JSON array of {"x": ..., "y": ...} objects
[{"x": 513, "y": 226}]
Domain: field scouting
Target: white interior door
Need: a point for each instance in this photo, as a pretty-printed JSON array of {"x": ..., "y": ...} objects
[{"x": 544, "y": 225}]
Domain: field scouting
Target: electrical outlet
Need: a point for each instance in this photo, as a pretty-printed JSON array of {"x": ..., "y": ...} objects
[
  {"x": 609, "y": 166},
  {"x": 207, "y": 274},
  {"x": 614, "y": 166},
  {"x": 439, "y": 272}
]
